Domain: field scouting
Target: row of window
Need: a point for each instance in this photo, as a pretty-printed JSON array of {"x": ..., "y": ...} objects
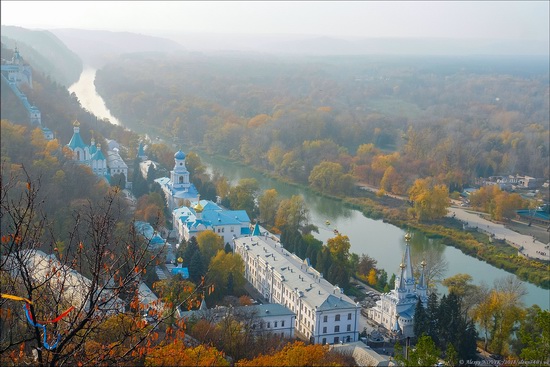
[
  {"x": 337, "y": 328},
  {"x": 336, "y": 317},
  {"x": 268, "y": 326}
]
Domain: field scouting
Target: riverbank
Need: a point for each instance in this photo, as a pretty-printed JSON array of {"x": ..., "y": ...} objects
[{"x": 393, "y": 210}]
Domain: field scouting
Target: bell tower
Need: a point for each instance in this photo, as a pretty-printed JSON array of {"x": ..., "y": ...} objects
[{"x": 180, "y": 175}]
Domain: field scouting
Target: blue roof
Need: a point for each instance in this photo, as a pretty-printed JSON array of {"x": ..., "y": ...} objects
[
  {"x": 183, "y": 271},
  {"x": 98, "y": 156},
  {"x": 93, "y": 149},
  {"x": 76, "y": 142},
  {"x": 245, "y": 231},
  {"x": 539, "y": 214},
  {"x": 179, "y": 155},
  {"x": 147, "y": 231},
  {"x": 256, "y": 231}
]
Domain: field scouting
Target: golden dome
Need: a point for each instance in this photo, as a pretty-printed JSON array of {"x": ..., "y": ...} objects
[
  {"x": 76, "y": 123},
  {"x": 198, "y": 208}
]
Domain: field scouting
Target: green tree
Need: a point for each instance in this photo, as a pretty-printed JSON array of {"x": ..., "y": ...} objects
[
  {"x": 326, "y": 176},
  {"x": 268, "y": 203},
  {"x": 209, "y": 245},
  {"x": 421, "y": 322},
  {"x": 451, "y": 355},
  {"x": 196, "y": 266},
  {"x": 292, "y": 212},
  {"x": 425, "y": 353},
  {"x": 218, "y": 273},
  {"x": 534, "y": 334},
  {"x": 242, "y": 196}
]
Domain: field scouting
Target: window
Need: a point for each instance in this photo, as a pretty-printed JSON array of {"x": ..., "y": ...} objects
[
  {"x": 324, "y": 330},
  {"x": 348, "y": 339},
  {"x": 337, "y": 318},
  {"x": 181, "y": 179},
  {"x": 349, "y": 327},
  {"x": 337, "y": 328},
  {"x": 324, "y": 341},
  {"x": 275, "y": 324},
  {"x": 269, "y": 325},
  {"x": 283, "y": 323},
  {"x": 336, "y": 340},
  {"x": 349, "y": 316},
  {"x": 325, "y": 318}
]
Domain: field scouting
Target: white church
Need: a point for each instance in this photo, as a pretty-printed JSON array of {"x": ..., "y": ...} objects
[
  {"x": 177, "y": 188},
  {"x": 395, "y": 309}
]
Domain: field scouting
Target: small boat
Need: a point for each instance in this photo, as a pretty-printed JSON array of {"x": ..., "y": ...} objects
[{"x": 327, "y": 222}]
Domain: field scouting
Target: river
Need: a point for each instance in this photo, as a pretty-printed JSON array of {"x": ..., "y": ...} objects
[
  {"x": 85, "y": 90},
  {"x": 382, "y": 241}
]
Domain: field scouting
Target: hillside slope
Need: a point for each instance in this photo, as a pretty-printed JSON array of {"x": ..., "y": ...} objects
[
  {"x": 96, "y": 47},
  {"x": 45, "y": 52}
]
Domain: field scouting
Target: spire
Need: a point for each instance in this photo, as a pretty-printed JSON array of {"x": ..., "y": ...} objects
[
  {"x": 402, "y": 277},
  {"x": 256, "y": 231},
  {"x": 395, "y": 328},
  {"x": 203, "y": 304},
  {"x": 407, "y": 257},
  {"x": 422, "y": 281}
]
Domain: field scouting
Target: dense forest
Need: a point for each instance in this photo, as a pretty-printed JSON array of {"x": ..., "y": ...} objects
[{"x": 379, "y": 120}]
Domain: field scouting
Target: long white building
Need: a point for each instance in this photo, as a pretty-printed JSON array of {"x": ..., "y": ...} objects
[{"x": 324, "y": 314}]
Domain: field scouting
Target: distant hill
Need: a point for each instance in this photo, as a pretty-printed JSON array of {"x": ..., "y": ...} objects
[
  {"x": 45, "y": 52},
  {"x": 97, "y": 47},
  {"x": 319, "y": 45}
]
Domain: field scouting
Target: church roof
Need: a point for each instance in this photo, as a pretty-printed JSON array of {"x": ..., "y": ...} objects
[
  {"x": 179, "y": 155},
  {"x": 98, "y": 156},
  {"x": 76, "y": 142}
]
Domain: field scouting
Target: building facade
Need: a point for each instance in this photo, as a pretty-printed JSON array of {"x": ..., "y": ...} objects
[
  {"x": 177, "y": 188},
  {"x": 395, "y": 309},
  {"x": 206, "y": 215},
  {"x": 324, "y": 314}
]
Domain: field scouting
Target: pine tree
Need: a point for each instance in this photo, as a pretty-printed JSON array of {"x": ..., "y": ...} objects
[
  {"x": 421, "y": 321},
  {"x": 432, "y": 313},
  {"x": 196, "y": 267}
]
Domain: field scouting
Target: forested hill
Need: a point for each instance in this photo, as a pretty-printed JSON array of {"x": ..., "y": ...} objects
[
  {"x": 45, "y": 52},
  {"x": 381, "y": 120},
  {"x": 96, "y": 47},
  {"x": 59, "y": 109}
]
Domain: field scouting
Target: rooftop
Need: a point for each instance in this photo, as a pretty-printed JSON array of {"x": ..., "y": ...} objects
[{"x": 297, "y": 274}]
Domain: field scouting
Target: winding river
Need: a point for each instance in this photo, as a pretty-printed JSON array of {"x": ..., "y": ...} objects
[{"x": 382, "y": 241}]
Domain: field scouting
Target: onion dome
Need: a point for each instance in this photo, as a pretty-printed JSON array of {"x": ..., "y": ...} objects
[
  {"x": 76, "y": 123},
  {"x": 198, "y": 208},
  {"x": 179, "y": 155}
]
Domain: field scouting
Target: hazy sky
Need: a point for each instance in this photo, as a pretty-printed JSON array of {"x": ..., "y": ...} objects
[{"x": 461, "y": 19}]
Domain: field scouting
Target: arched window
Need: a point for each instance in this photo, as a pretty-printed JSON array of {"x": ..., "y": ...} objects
[
  {"x": 77, "y": 155},
  {"x": 181, "y": 179}
]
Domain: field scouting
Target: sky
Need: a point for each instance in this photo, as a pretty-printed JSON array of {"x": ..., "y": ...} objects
[{"x": 511, "y": 20}]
